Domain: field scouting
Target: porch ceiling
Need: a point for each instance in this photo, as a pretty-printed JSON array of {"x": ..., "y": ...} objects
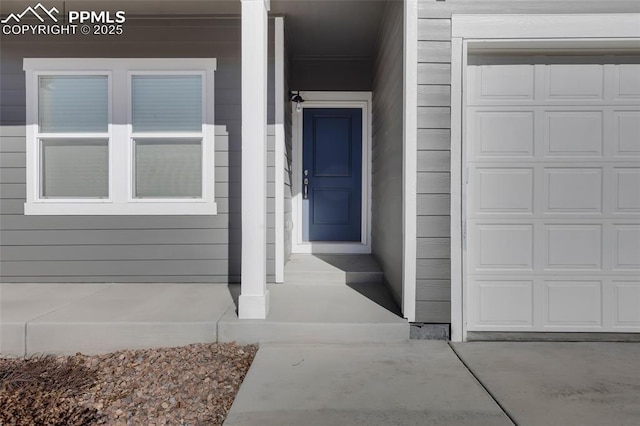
[
  {"x": 316, "y": 28},
  {"x": 331, "y": 28}
]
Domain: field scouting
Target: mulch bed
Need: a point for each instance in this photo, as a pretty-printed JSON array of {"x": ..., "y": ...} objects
[{"x": 189, "y": 385}]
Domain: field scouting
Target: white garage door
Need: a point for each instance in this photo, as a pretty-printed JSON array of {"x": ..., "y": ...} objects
[{"x": 552, "y": 193}]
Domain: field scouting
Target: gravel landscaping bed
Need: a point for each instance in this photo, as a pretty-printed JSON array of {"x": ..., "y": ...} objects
[{"x": 190, "y": 385}]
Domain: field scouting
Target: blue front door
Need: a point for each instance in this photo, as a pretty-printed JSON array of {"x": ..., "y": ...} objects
[{"x": 332, "y": 174}]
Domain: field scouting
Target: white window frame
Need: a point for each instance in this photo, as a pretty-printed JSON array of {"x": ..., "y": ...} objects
[
  {"x": 39, "y": 136},
  {"x": 120, "y": 134}
]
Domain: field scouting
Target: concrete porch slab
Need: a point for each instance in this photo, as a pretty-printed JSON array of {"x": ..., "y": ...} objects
[
  {"x": 560, "y": 383},
  {"x": 415, "y": 383},
  {"x": 311, "y": 313},
  {"x": 23, "y": 302},
  {"x": 332, "y": 269},
  {"x": 100, "y": 318},
  {"x": 120, "y": 316}
]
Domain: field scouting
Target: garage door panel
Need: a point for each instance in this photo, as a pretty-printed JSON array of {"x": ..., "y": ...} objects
[
  {"x": 626, "y": 251},
  {"x": 561, "y": 247},
  {"x": 573, "y": 133},
  {"x": 504, "y": 133},
  {"x": 502, "y": 190},
  {"x": 573, "y": 247},
  {"x": 627, "y": 299},
  {"x": 627, "y": 82},
  {"x": 562, "y": 133},
  {"x": 573, "y": 303},
  {"x": 573, "y": 190},
  {"x": 627, "y": 190},
  {"x": 504, "y": 302},
  {"x": 563, "y": 83},
  {"x": 503, "y": 247},
  {"x": 556, "y": 190},
  {"x": 514, "y": 82},
  {"x": 627, "y": 133}
]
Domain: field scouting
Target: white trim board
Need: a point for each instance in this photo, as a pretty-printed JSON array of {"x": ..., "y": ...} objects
[
  {"x": 279, "y": 148},
  {"x": 474, "y": 33},
  {"x": 410, "y": 162},
  {"x": 458, "y": 64},
  {"x": 592, "y": 25},
  {"x": 333, "y": 100}
]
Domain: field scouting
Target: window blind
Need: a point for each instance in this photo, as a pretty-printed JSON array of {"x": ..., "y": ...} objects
[
  {"x": 73, "y": 103},
  {"x": 163, "y": 103},
  {"x": 168, "y": 168},
  {"x": 74, "y": 168}
]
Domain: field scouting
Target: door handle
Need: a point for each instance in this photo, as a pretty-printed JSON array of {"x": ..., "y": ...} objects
[{"x": 305, "y": 186}]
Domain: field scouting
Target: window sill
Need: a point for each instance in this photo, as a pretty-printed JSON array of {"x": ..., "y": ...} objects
[{"x": 101, "y": 208}]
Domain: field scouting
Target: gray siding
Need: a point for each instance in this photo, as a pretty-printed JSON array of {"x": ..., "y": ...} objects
[
  {"x": 387, "y": 150},
  {"x": 434, "y": 106},
  {"x": 127, "y": 248},
  {"x": 271, "y": 204}
]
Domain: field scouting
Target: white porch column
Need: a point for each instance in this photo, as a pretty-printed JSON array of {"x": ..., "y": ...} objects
[{"x": 254, "y": 297}]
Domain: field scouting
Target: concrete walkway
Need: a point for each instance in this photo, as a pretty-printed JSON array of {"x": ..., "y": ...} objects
[
  {"x": 426, "y": 383},
  {"x": 415, "y": 383}
]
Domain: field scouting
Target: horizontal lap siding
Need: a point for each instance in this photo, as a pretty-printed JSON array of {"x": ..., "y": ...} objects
[
  {"x": 434, "y": 109},
  {"x": 271, "y": 158},
  {"x": 126, "y": 248},
  {"x": 387, "y": 149},
  {"x": 433, "y": 203},
  {"x": 271, "y": 205}
]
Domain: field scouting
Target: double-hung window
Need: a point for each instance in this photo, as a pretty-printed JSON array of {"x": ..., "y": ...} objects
[{"x": 120, "y": 136}]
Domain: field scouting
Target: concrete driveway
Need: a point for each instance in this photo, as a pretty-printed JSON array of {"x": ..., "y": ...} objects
[
  {"x": 426, "y": 383},
  {"x": 540, "y": 383}
]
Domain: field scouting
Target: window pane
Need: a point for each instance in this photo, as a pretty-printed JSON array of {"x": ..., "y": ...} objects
[
  {"x": 166, "y": 103},
  {"x": 74, "y": 168},
  {"x": 168, "y": 168},
  {"x": 73, "y": 103}
]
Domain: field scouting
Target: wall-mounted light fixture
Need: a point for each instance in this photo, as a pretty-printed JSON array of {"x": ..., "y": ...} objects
[{"x": 297, "y": 99}]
